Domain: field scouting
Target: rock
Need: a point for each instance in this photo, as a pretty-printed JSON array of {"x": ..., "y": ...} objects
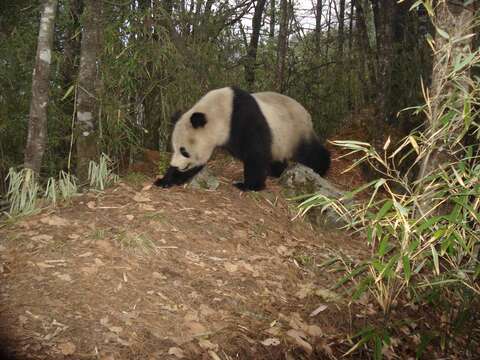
[
  {"x": 301, "y": 180},
  {"x": 204, "y": 180}
]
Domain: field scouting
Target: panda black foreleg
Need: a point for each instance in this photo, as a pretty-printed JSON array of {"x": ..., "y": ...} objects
[
  {"x": 254, "y": 174},
  {"x": 173, "y": 176},
  {"x": 277, "y": 168}
]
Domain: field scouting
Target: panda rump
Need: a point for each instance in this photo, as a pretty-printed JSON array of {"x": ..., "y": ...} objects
[{"x": 264, "y": 130}]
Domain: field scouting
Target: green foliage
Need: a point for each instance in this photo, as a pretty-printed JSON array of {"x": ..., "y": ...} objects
[
  {"x": 423, "y": 227},
  {"x": 17, "y": 53},
  {"x": 153, "y": 75},
  {"x": 156, "y": 60},
  {"x": 22, "y": 192},
  {"x": 164, "y": 162},
  {"x": 65, "y": 187},
  {"x": 24, "y": 189},
  {"x": 101, "y": 174},
  {"x": 376, "y": 338}
]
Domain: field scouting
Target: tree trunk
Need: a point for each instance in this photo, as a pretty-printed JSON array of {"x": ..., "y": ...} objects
[
  {"x": 457, "y": 20},
  {"x": 383, "y": 12},
  {"x": 341, "y": 27},
  {"x": 350, "y": 28},
  {"x": 366, "y": 54},
  {"x": 318, "y": 24},
  {"x": 206, "y": 16},
  {"x": 145, "y": 105},
  {"x": 329, "y": 28},
  {"x": 252, "y": 48},
  {"x": 71, "y": 53},
  {"x": 71, "y": 48},
  {"x": 87, "y": 121},
  {"x": 271, "y": 34},
  {"x": 350, "y": 59},
  {"x": 282, "y": 46},
  {"x": 196, "y": 30},
  {"x": 37, "y": 125}
]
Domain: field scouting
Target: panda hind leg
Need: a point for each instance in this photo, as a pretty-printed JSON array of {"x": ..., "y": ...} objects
[
  {"x": 313, "y": 154},
  {"x": 277, "y": 168}
]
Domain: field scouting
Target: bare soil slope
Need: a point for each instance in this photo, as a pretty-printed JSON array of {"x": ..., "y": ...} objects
[{"x": 146, "y": 273}]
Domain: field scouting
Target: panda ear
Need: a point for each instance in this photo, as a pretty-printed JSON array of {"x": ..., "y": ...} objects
[{"x": 198, "y": 120}]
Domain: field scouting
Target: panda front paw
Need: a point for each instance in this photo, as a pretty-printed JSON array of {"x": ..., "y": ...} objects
[
  {"x": 245, "y": 187},
  {"x": 163, "y": 182},
  {"x": 240, "y": 186}
]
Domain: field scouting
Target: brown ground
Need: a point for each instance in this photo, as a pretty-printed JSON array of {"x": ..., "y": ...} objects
[{"x": 146, "y": 273}]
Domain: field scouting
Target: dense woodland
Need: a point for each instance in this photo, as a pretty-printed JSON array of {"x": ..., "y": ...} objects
[
  {"x": 394, "y": 82},
  {"x": 133, "y": 64}
]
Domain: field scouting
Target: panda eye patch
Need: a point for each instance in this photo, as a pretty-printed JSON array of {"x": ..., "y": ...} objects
[{"x": 184, "y": 152}]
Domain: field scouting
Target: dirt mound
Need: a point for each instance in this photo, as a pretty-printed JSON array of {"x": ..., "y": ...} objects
[{"x": 148, "y": 273}]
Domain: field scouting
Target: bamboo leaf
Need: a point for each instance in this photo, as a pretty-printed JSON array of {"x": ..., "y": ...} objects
[
  {"x": 442, "y": 33},
  {"x": 68, "y": 92},
  {"x": 414, "y": 144},
  {"x": 416, "y": 4},
  {"x": 406, "y": 267},
  {"x": 385, "y": 208},
  {"x": 460, "y": 64},
  {"x": 435, "y": 259},
  {"x": 383, "y": 247}
]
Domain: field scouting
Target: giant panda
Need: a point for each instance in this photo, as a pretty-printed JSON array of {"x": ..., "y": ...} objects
[{"x": 264, "y": 130}]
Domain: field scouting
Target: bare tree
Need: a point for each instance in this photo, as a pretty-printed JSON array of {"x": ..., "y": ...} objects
[
  {"x": 350, "y": 27},
  {"x": 341, "y": 27},
  {"x": 271, "y": 34},
  {"x": 329, "y": 27},
  {"x": 383, "y": 15},
  {"x": 282, "y": 45},
  {"x": 350, "y": 57},
  {"x": 318, "y": 23},
  {"x": 37, "y": 125},
  {"x": 366, "y": 53},
  {"x": 252, "y": 47},
  {"x": 87, "y": 147}
]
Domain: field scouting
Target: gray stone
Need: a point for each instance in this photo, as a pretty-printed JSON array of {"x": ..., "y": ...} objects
[
  {"x": 300, "y": 180},
  {"x": 204, "y": 180}
]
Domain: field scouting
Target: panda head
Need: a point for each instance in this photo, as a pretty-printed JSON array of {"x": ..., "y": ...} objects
[
  {"x": 191, "y": 141},
  {"x": 202, "y": 128}
]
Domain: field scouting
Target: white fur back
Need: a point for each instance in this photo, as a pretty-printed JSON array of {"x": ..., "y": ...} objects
[{"x": 288, "y": 120}]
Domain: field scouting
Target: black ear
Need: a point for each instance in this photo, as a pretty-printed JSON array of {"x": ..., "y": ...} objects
[
  {"x": 176, "y": 116},
  {"x": 198, "y": 120}
]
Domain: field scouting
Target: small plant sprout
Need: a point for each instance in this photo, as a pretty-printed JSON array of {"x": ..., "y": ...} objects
[
  {"x": 22, "y": 192},
  {"x": 64, "y": 187},
  {"x": 101, "y": 175},
  {"x": 51, "y": 191},
  {"x": 67, "y": 185}
]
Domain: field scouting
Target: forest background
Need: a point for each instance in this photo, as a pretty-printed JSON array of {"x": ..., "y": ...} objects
[{"x": 155, "y": 57}]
